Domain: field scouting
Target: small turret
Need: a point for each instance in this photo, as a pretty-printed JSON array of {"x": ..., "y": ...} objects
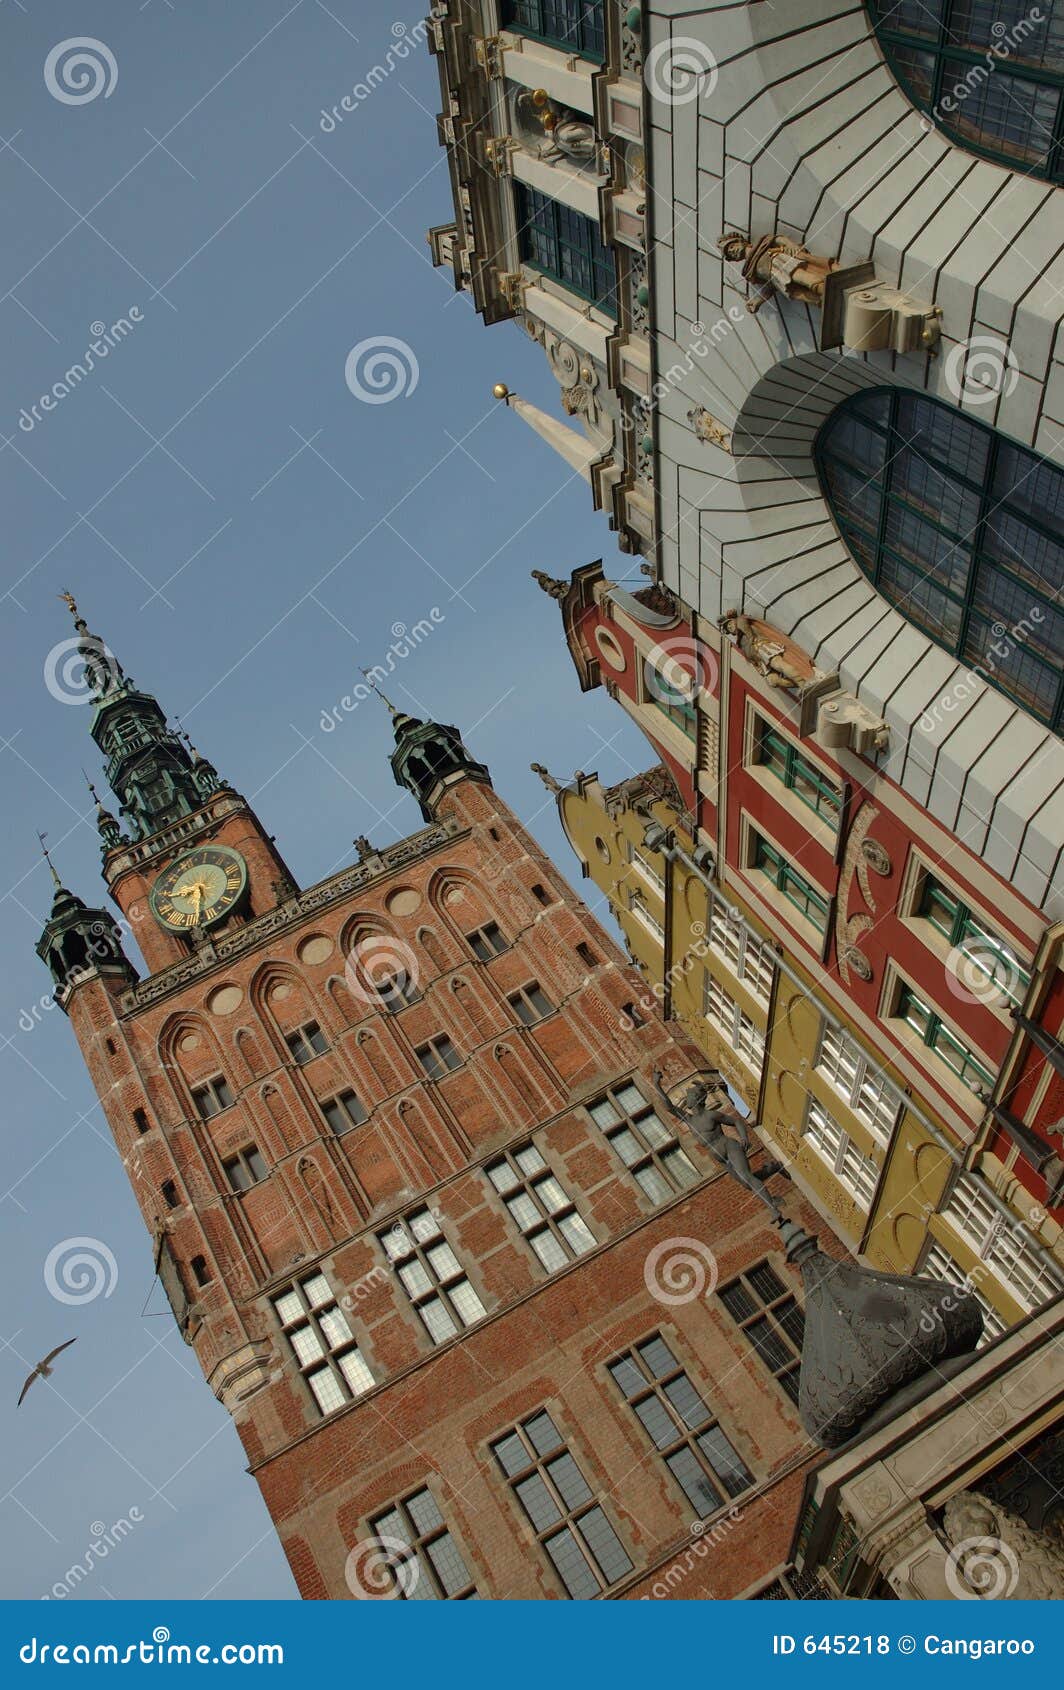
[
  {"x": 79, "y": 943},
  {"x": 428, "y": 757}
]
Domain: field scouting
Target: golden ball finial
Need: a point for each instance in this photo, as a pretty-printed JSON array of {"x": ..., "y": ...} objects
[{"x": 500, "y": 390}]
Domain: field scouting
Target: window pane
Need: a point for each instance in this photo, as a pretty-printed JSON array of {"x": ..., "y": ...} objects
[
  {"x": 289, "y": 1307},
  {"x": 424, "y": 1512},
  {"x": 537, "y": 1501},
  {"x": 424, "y": 1226},
  {"x": 306, "y": 1344},
  {"x": 626, "y": 1146},
  {"x": 567, "y": 1478},
  {"x": 355, "y": 1371},
  {"x": 657, "y": 1421},
  {"x": 529, "y": 1160},
  {"x": 317, "y": 1291},
  {"x": 654, "y": 1184},
  {"x": 335, "y": 1327},
  {"x": 542, "y": 1433},
  {"x": 725, "y": 1461},
  {"x": 415, "y": 1279},
  {"x": 466, "y": 1303},
  {"x": 766, "y": 1282},
  {"x": 437, "y": 1320},
  {"x": 699, "y": 1489},
  {"x": 551, "y": 1194},
  {"x": 680, "y": 1168},
  {"x": 450, "y": 1568},
  {"x": 572, "y": 1568},
  {"x": 603, "y": 1113},
  {"x": 576, "y": 1234},
  {"x": 686, "y": 1401},
  {"x": 327, "y": 1391},
  {"x": 502, "y": 1176},
  {"x": 443, "y": 1261},
  {"x": 658, "y": 1357},
  {"x": 523, "y": 1210},
  {"x": 605, "y": 1545},
  {"x": 512, "y": 1454},
  {"x": 627, "y": 1376},
  {"x": 550, "y": 1252}
]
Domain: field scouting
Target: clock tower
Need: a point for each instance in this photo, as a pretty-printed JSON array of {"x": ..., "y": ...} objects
[{"x": 413, "y": 1197}]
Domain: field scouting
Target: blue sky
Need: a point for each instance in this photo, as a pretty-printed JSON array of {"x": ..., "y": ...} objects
[{"x": 245, "y": 533}]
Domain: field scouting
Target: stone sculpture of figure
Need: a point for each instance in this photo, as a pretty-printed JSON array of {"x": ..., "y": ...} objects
[
  {"x": 775, "y": 263},
  {"x": 767, "y": 655},
  {"x": 707, "y": 1121},
  {"x": 995, "y": 1555}
]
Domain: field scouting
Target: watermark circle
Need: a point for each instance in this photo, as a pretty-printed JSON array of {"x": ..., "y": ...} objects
[
  {"x": 680, "y": 70},
  {"x": 380, "y": 369},
  {"x": 680, "y": 1270},
  {"x": 79, "y": 70},
  {"x": 78, "y": 1270}
]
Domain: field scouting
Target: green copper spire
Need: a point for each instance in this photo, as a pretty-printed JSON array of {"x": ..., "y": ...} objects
[
  {"x": 428, "y": 758},
  {"x": 155, "y": 776}
]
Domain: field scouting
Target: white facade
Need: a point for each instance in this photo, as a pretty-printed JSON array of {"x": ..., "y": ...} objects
[{"x": 799, "y": 127}]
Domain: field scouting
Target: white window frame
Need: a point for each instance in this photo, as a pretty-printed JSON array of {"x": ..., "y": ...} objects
[
  {"x": 858, "y": 1173},
  {"x": 848, "y": 1071}
]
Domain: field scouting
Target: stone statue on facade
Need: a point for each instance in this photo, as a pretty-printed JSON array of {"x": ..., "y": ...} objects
[
  {"x": 767, "y": 654},
  {"x": 706, "y": 1117}
]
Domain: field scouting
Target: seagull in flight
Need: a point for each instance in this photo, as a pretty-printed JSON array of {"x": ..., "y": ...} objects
[{"x": 43, "y": 1368}]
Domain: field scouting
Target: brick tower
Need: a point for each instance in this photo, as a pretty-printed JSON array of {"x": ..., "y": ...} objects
[{"x": 489, "y": 1322}]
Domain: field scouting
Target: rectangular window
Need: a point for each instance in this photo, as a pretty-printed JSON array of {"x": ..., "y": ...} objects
[
  {"x": 648, "y": 1148},
  {"x": 571, "y": 1527},
  {"x": 541, "y": 1207},
  {"x": 1004, "y": 1248},
  {"x": 396, "y": 991},
  {"x": 652, "y": 875},
  {"x": 530, "y": 1004},
  {"x": 684, "y": 1431},
  {"x": 245, "y": 1169},
  {"x": 983, "y": 952},
  {"x": 871, "y": 1096},
  {"x": 577, "y": 26},
  {"x": 322, "y": 1342},
  {"x": 343, "y": 1112},
  {"x": 438, "y": 1056},
  {"x": 771, "y": 1318},
  {"x": 423, "y": 1560},
  {"x": 432, "y": 1276},
  {"x": 306, "y": 1042},
  {"x": 644, "y": 914},
  {"x": 751, "y": 960},
  {"x": 586, "y": 955},
  {"x": 487, "y": 942},
  {"x": 785, "y": 879},
  {"x": 212, "y": 1097},
  {"x": 957, "y": 1056},
  {"x": 740, "y": 1032},
  {"x": 676, "y": 704},
  {"x": 565, "y": 244},
  {"x": 939, "y": 1264},
  {"x": 783, "y": 758},
  {"x": 851, "y": 1167}
]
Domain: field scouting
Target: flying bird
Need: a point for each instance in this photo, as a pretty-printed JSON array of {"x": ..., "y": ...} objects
[{"x": 43, "y": 1368}]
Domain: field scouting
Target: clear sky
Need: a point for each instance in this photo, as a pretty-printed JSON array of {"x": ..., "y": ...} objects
[{"x": 245, "y": 533}]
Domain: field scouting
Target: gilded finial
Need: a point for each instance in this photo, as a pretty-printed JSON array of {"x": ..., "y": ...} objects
[
  {"x": 500, "y": 390},
  {"x": 48, "y": 859},
  {"x": 371, "y": 683}
]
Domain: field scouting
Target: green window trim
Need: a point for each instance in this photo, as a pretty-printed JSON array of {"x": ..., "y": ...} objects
[
  {"x": 794, "y": 887},
  {"x": 960, "y": 530},
  {"x": 782, "y": 758},
  {"x": 995, "y": 87},
  {"x": 576, "y": 26},
  {"x": 567, "y": 246},
  {"x": 982, "y": 947},
  {"x": 935, "y": 1034}
]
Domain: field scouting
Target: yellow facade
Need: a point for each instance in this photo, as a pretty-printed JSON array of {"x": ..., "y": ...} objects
[{"x": 759, "y": 1019}]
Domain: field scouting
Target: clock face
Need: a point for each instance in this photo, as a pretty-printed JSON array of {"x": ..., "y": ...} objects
[{"x": 199, "y": 889}]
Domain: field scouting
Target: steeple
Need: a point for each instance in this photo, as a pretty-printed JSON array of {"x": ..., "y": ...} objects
[
  {"x": 429, "y": 757},
  {"x": 155, "y": 775}
]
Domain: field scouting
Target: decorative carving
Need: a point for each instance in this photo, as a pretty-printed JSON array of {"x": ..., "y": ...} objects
[
  {"x": 877, "y": 857},
  {"x": 995, "y": 1556},
  {"x": 706, "y": 427},
  {"x": 848, "y": 928}
]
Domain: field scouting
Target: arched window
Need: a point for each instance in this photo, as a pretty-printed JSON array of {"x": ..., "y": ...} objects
[
  {"x": 959, "y": 529},
  {"x": 989, "y": 72}
]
